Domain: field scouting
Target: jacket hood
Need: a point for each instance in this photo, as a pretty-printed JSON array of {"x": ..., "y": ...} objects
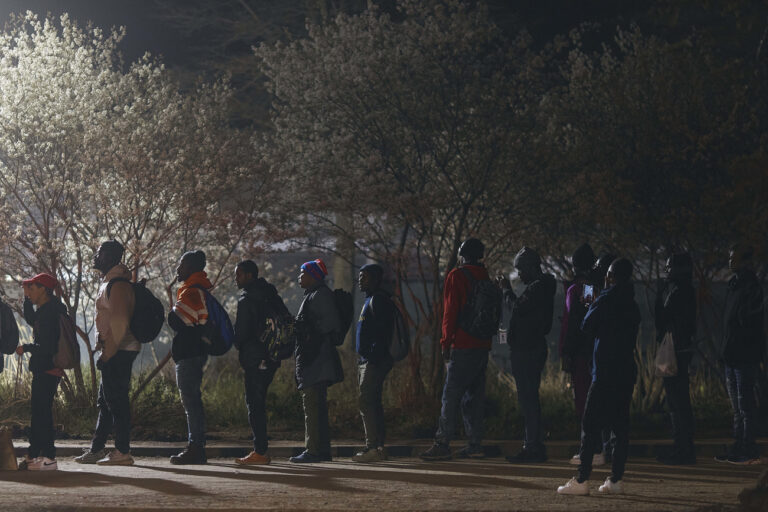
[
  {"x": 200, "y": 278},
  {"x": 527, "y": 257},
  {"x": 259, "y": 289},
  {"x": 118, "y": 271}
]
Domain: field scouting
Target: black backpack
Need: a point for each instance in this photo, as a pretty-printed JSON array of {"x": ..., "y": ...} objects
[
  {"x": 345, "y": 307},
  {"x": 148, "y": 313},
  {"x": 481, "y": 314},
  {"x": 9, "y": 330},
  {"x": 280, "y": 334}
]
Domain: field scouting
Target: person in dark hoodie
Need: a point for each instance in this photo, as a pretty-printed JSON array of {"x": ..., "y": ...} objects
[
  {"x": 741, "y": 351},
  {"x": 258, "y": 299},
  {"x": 317, "y": 361},
  {"x": 613, "y": 321},
  {"x": 530, "y": 321},
  {"x": 373, "y": 337},
  {"x": 466, "y": 357},
  {"x": 675, "y": 311},
  {"x": 38, "y": 291}
]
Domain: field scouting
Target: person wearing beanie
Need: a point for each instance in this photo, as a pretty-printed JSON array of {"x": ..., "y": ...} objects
[
  {"x": 42, "y": 311},
  {"x": 675, "y": 312},
  {"x": 372, "y": 339},
  {"x": 465, "y": 352},
  {"x": 317, "y": 362},
  {"x": 530, "y": 320}
]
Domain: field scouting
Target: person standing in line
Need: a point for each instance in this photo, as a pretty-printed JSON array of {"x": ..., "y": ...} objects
[
  {"x": 530, "y": 322},
  {"x": 317, "y": 362},
  {"x": 465, "y": 352},
  {"x": 42, "y": 311},
  {"x": 114, "y": 308},
  {"x": 741, "y": 351},
  {"x": 613, "y": 320},
  {"x": 188, "y": 318},
  {"x": 675, "y": 312},
  {"x": 373, "y": 337}
]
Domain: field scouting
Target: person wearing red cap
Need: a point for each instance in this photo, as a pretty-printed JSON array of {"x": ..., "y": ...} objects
[
  {"x": 317, "y": 361},
  {"x": 38, "y": 292}
]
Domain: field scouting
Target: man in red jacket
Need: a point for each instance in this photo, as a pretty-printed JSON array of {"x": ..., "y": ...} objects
[{"x": 471, "y": 310}]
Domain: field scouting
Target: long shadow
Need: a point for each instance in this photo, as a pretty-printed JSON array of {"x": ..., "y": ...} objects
[{"x": 63, "y": 478}]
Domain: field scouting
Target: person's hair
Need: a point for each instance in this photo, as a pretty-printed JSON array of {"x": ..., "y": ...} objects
[
  {"x": 472, "y": 249},
  {"x": 113, "y": 248},
  {"x": 249, "y": 267},
  {"x": 374, "y": 270},
  {"x": 583, "y": 258},
  {"x": 196, "y": 260},
  {"x": 745, "y": 252},
  {"x": 622, "y": 270},
  {"x": 49, "y": 291}
]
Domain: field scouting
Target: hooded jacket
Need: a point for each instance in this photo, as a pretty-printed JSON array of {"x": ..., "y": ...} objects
[
  {"x": 114, "y": 312},
  {"x": 613, "y": 321},
  {"x": 188, "y": 317},
  {"x": 374, "y": 328},
  {"x": 743, "y": 337},
  {"x": 573, "y": 341},
  {"x": 317, "y": 361},
  {"x": 675, "y": 310},
  {"x": 531, "y": 314},
  {"x": 254, "y": 303},
  {"x": 45, "y": 333},
  {"x": 455, "y": 296}
]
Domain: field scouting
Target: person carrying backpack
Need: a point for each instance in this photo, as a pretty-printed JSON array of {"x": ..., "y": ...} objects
[
  {"x": 373, "y": 337},
  {"x": 119, "y": 347},
  {"x": 317, "y": 361},
  {"x": 38, "y": 292},
  {"x": 465, "y": 354},
  {"x": 258, "y": 301},
  {"x": 188, "y": 319}
]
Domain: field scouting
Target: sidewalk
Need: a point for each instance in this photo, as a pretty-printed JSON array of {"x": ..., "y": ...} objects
[{"x": 345, "y": 448}]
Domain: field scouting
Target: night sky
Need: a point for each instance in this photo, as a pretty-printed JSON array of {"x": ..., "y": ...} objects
[{"x": 146, "y": 32}]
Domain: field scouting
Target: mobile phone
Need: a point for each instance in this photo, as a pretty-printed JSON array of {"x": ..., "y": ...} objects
[{"x": 589, "y": 293}]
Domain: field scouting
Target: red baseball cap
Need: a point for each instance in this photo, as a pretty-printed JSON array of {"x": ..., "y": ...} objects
[{"x": 46, "y": 280}]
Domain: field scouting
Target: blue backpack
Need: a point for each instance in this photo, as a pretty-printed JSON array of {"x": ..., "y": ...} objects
[{"x": 219, "y": 335}]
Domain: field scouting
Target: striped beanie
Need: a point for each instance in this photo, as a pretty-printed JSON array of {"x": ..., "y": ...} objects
[{"x": 316, "y": 269}]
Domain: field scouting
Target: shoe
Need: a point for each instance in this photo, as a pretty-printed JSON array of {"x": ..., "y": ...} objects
[
  {"x": 326, "y": 457},
  {"x": 574, "y": 487},
  {"x": 598, "y": 459},
  {"x": 611, "y": 487},
  {"x": 744, "y": 460},
  {"x": 192, "y": 454},
  {"x": 383, "y": 453},
  {"x": 89, "y": 457},
  {"x": 731, "y": 451},
  {"x": 116, "y": 458},
  {"x": 527, "y": 457},
  {"x": 42, "y": 464},
  {"x": 369, "y": 455},
  {"x": 306, "y": 458},
  {"x": 254, "y": 459},
  {"x": 470, "y": 452},
  {"x": 575, "y": 460},
  {"x": 25, "y": 462},
  {"x": 438, "y": 451}
]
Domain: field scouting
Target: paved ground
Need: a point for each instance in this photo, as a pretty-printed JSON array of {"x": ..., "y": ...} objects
[{"x": 402, "y": 484}]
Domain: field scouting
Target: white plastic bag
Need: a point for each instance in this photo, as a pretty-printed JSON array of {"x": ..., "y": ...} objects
[{"x": 666, "y": 360}]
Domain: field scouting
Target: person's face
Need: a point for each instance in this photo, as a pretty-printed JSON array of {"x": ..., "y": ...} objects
[
  {"x": 100, "y": 259},
  {"x": 242, "y": 278},
  {"x": 610, "y": 277},
  {"x": 183, "y": 270},
  {"x": 363, "y": 281},
  {"x": 527, "y": 274},
  {"x": 305, "y": 279},
  {"x": 35, "y": 292}
]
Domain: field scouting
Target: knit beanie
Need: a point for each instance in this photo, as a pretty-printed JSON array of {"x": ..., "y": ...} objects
[{"x": 316, "y": 269}]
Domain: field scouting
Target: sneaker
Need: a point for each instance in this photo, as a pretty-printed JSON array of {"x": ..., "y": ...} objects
[
  {"x": 192, "y": 454},
  {"x": 598, "y": 459},
  {"x": 744, "y": 460},
  {"x": 254, "y": 459},
  {"x": 574, "y": 487},
  {"x": 438, "y": 451},
  {"x": 611, "y": 487},
  {"x": 368, "y": 455},
  {"x": 25, "y": 462},
  {"x": 383, "y": 453},
  {"x": 89, "y": 457},
  {"x": 116, "y": 458},
  {"x": 527, "y": 457},
  {"x": 42, "y": 464},
  {"x": 470, "y": 452},
  {"x": 306, "y": 458}
]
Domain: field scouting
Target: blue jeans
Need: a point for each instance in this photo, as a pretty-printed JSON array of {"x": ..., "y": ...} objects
[
  {"x": 465, "y": 385},
  {"x": 189, "y": 376},
  {"x": 740, "y": 381},
  {"x": 526, "y": 369}
]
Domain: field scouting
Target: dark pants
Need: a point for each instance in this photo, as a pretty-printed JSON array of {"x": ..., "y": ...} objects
[
  {"x": 257, "y": 382},
  {"x": 740, "y": 381},
  {"x": 677, "y": 389},
  {"x": 465, "y": 385},
  {"x": 371, "y": 381},
  {"x": 42, "y": 433},
  {"x": 581, "y": 380},
  {"x": 607, "y": 407},
  {"x": 526, "y": 369},
  {"x": 317, "y": 435},
  {"x": 189, "y": 377},
  {"x": 114, "y": 403}
]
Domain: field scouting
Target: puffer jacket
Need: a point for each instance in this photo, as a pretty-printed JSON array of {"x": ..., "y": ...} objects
[
  {"x": 317, "y": 360},
  {"x": 531, "y": 314}
]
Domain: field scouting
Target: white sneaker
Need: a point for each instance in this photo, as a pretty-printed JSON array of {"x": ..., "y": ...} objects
[
  {"x": 116, "y": 458},
  {"x": 43, "y": 464},
  {"x": 611, "y": 487},
  {"x": 575, "y": 460},
  {"x": 598, "y": 459},
  {"x": 573, "y": 487}
]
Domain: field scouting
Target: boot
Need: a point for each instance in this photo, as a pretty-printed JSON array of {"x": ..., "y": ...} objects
[{"x": 192, "y": 454}]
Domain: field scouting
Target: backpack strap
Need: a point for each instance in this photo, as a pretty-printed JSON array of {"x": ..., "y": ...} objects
[
  {"x": 113, "y": 281},
  {"x": 470, "y": 277}
]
